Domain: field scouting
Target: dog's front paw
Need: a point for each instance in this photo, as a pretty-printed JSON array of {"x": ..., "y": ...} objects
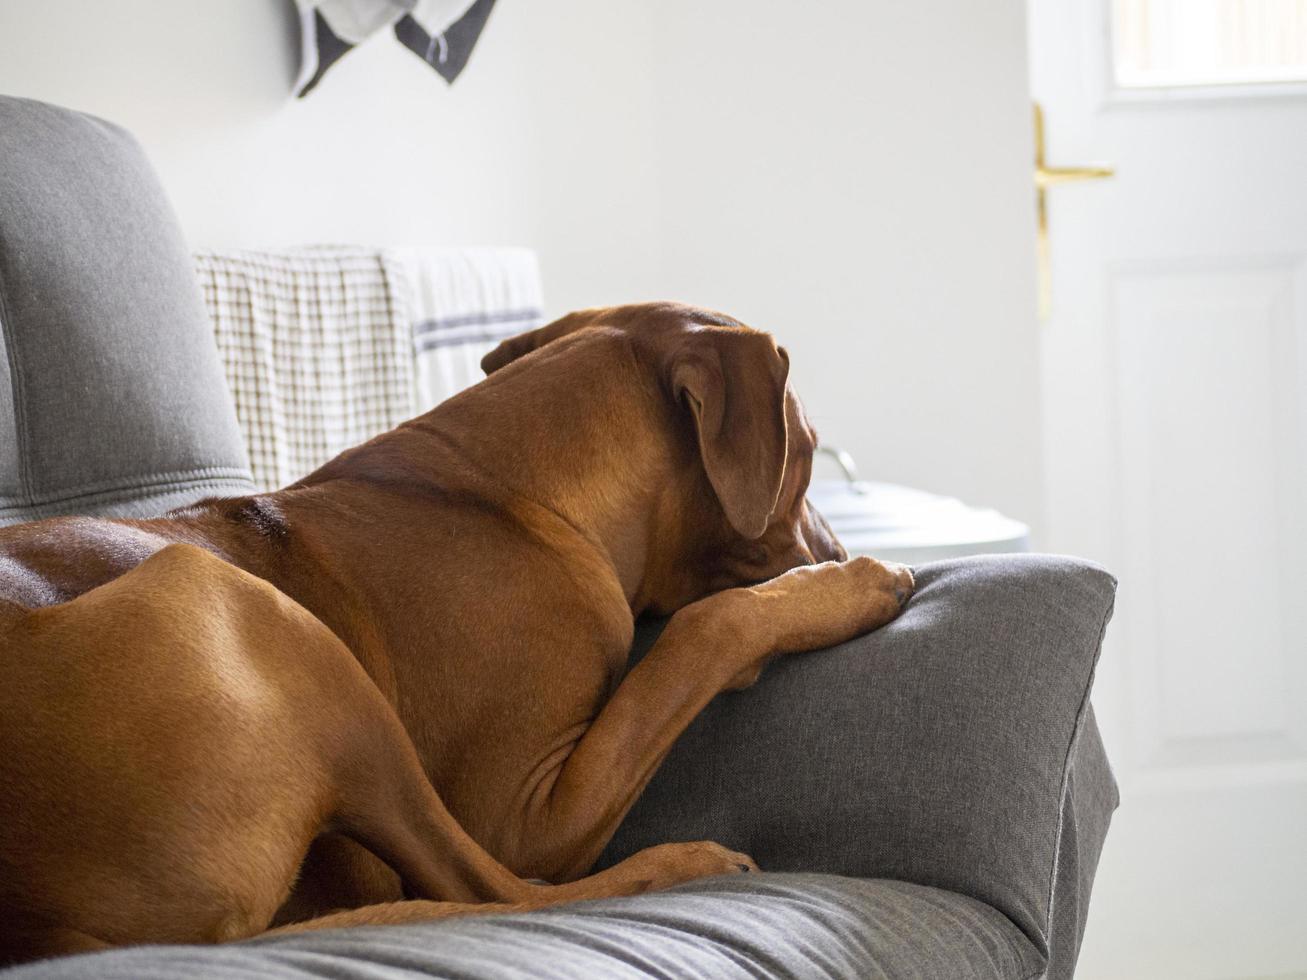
[
  {"x": 902, "y": 581},
  {"x": 670, "y": 864},
  {"x": 872, "y": 592}
]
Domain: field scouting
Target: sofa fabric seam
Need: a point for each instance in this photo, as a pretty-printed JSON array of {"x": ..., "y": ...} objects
[
  {"x": 1076, "y": 729},
  {"x": 55, "y": 508},
  {"x": 18, "y": 388},
  {"x": 127, "y": 483}
]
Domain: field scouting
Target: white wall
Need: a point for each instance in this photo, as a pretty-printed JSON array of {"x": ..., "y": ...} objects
[
  {"x": 383, "y": 151},
  {"x": 854, "y": 179},
  {"x": 857, "y": 180}
]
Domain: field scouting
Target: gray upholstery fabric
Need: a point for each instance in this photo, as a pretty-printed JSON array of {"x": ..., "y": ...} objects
[
  {"x": 799, "y": 926},
  {"x": 1086, "y": 809},
  {"x": 954, "y": 748},
  {"x": 112, "y": 400}
]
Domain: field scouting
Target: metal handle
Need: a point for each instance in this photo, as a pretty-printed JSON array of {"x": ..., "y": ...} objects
[
  {"x": 1046, "y": 177},
  {"x": 844, "y": 460}
]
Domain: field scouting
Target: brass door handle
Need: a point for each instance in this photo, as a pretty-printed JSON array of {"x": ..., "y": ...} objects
[{"x": 1046, "y": 177}]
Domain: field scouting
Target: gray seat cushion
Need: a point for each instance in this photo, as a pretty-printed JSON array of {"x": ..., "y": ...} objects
[
  {"x": 112, "y": 399},
  {"x": 770, "y": 925}
]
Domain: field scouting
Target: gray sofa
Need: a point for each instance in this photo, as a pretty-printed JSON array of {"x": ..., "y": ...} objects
[{"x": 927, "y": 801}]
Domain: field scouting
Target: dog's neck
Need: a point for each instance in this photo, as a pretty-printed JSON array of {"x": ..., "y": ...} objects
[{"x": 602, "y": 456}]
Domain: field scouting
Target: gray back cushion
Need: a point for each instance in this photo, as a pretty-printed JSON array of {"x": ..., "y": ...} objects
[{"x": 112, "y": 399}]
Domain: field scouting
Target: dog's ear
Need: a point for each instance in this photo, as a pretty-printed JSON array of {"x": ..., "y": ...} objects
[
  {"x": 511, "y": 349},
  {"x": 733, "y": 382}
]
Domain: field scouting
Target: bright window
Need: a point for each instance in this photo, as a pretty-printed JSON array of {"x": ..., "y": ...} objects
[{"x": 1162, "y": 43}]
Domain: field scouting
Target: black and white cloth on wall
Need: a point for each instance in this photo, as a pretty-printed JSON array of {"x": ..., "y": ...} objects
[{"x": 441, "y": 32}]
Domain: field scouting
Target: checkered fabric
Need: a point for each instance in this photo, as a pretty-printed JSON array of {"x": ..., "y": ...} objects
[
  {"x": 464, "y": 302},
  {"x": 317, "y": 348}
]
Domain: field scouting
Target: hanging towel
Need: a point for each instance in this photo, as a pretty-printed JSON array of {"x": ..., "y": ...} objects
[
  {"x": 464, "y": 302},
  {"x": 440, "y": 32},
  {"x": 317, "y": 347}
]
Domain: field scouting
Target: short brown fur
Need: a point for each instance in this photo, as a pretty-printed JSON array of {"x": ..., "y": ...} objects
[{"x": 395, "y": 688}]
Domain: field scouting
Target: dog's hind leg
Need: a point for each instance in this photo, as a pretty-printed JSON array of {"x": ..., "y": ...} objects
[
  {"x": 386, "y": 803},
  {"x": 150, "y": 786},
  {"x": 649, "y": 870},
  {"x": 173, "y": 740}
]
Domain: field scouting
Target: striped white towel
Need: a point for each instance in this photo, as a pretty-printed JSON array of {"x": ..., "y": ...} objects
[
  {"x": 317, "y": 348},
  {"x": 464, "y": 302}
]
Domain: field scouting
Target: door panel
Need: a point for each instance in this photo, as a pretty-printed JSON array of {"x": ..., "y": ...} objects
[
  {"x": 1206, "y": 401},
  {"x": 1173, "y": 367}
]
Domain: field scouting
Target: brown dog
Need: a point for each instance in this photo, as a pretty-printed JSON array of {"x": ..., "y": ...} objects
[{"x": 403, "y": 676}]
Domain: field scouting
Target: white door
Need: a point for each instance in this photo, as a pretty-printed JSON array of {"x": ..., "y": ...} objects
[{"x": 1175, "y": 390}]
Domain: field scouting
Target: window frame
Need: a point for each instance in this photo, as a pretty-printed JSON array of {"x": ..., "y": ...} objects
[{"x": 1113, "y": 93}]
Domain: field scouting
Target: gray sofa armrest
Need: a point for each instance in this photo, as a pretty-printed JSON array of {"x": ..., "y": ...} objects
[{"x": 954, "y": 748}]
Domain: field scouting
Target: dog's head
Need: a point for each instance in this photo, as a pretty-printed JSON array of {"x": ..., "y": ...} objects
[{"x": 740, "y": 516}]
